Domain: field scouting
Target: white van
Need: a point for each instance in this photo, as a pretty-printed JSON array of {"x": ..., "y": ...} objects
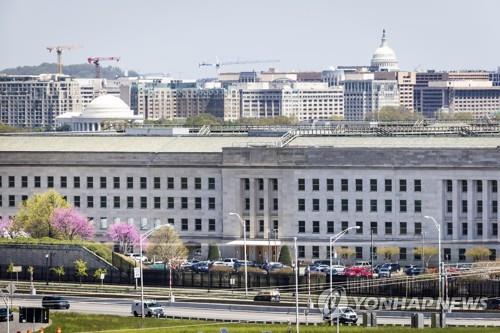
[{"x": 151, "y": 309}]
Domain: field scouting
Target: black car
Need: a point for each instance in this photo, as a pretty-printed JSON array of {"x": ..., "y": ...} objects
[
  {"x": 414, "y": 270},
  {"x": 55, "y": 302},
  {"x": 3, "y": 314},
  {"x": 493, "y": 304}
]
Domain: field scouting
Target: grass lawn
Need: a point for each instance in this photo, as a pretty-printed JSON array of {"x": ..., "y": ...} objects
[{"x": 72, "y": 323}]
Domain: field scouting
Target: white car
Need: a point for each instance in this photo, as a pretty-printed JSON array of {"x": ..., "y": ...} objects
[
  {"x": 344, "y": 314},
  {"x": 229, "y": 262},
  {"x": 151, "y": 309},
  {"x": 137, "y": 257}
]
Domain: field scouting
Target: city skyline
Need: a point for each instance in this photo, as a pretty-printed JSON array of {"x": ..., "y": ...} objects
[{"x": 303, "y": 36}]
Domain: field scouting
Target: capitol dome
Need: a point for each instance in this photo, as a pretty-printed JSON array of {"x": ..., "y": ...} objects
[
  {"x": 384, "y": 58},
  {"x": 107, "y": 106}
]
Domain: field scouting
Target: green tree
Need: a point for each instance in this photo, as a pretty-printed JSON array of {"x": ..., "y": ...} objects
[
  {"x": 98, "y": 272},
  {"x": 166, "y": 245},
  {"x": 81, "y": 269},
  {"x": 478, "y": 253},
  {"x": 285, "y": 257},
  {"x": 10, "y": 269},
  {"x": 35, "y": 214},
  {"x": 392, "y": 113},
  {"x": 59, "y": 271},
  {"x": 213, "y": 252},
  {"x": 388, "y": 252},
  {"x": 345, "y": 252},
  {"x": 203, "y": 119}
]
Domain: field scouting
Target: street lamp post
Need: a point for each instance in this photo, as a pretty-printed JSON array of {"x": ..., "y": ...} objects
[
  {"x": 333, "y": 239},
  {"x": 243, "y": 223},
  {"x": 440, "y": 267},
  {"x": 296, "y": 285},
  {"x": 47, "y": 269}
]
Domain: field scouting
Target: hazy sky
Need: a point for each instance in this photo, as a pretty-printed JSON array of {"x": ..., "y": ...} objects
[{"x": 174, "y": 36}]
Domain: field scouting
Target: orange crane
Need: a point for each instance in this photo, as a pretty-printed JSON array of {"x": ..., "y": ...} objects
[
  {"x": 97, "y": 62},
  {"x": 59, "y": 50}
]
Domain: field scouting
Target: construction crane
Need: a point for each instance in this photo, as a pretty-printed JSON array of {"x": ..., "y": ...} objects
[
  {"x": 97, "y": 62},
  {"x": 217, "y": 64},
  {"x": 59, "y": 50}
]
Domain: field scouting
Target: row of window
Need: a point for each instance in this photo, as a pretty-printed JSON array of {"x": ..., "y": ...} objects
[
  {"x": 402, "y": 253},
  {"x": 114, "y": 182},
  {"x": 359, "y": 205},
  {"x": 260, "y": 184},
  {"x": 130, "y": 202},
  {"x": 261, "y": 204},
  {"x": 185, "y": 224},
  {"x": 479, "y": 206},
  {"x": 316, "y": 227},
  {"x": 465, "y": 228},
  {"x": 359, "y": 185},
  {"x": 478, "y": 183}
]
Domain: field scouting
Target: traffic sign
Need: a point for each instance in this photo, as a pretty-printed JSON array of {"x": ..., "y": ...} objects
[
  {"x": 17, "y": 269},
  {"x": 137, "y": 272},
  {"x": 11, "y": 288}
]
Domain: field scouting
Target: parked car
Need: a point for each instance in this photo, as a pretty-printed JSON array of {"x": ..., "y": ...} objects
[
  {"x": 394, "y": 267},
  {"x": 358, "y": 271},
  {"x": 137, "y": 257},
  {"x": 363, "y": 263},
  {"x": 243, "y": 263},
  {"x": 55, "y": 302},
  {"x": 414, "y": 270},
  {"x": 319, "y": 268},
  {"x": 338, "y": 269},
  {"x": 268, "y": 296},
  {"x": 188, "y": 265},
  {"x": 201, "y": 267},
  {"x": 151, "y": 309},
  {"x": 384, "y": 272},
  {"x": 229, "y": 262},
  {"x": 493, "y": 303},
  {"x": 321, "y": 262},
  {"x": 3, "y": 315},
  {"x": 270, "y": 266},
  {"x": 344, "y": 314}
]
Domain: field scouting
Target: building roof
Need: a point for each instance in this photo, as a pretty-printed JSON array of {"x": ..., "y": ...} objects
[
  {"x": 107, "y": 106},
  {"x": 384, "y": 56}
]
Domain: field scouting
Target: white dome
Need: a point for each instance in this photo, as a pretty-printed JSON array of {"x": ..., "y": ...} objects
[
  {"x": 107, "y": 106},
  {"x": 384, "y": 57}
]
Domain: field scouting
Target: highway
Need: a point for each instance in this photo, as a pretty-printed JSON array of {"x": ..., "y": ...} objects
[{"x": 121, "y": 307}]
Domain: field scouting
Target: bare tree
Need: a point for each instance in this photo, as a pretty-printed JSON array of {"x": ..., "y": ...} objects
[{"x": 166, "y": 245}]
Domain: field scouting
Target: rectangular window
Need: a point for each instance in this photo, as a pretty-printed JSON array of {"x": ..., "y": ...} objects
[
  {"x": 1, "y": 200},
  {"x": 344, "y": 225},
  {"x": 184, "y": 183},
  {"x": 102, "y": 182},
  {"x": 479, "y": 229},
  {"x": 116, "y": 182},
  {"x": 344, "y": 185},
  {"x": 329, "y": 184},
  {"x": 12, "y": 181},
  {"x": 388, "y": 206},
  {"x": 25, "y": 197},
  {"x": 63, "y": 180},
  {"x": 330, "y": 228},
  {"x": 170, "y": 202},
  {"x": 184, "y": 203},
  {"x": 275, "y": 227},
  {"x": 130, "y": 182},
  {"x": 402, "y": 206},
  {"x": 261, "y": 226},
  {"x": 156, "y": 183},
  {"x": 211, "y": 203},
  {"x": 275, "y": 204},
  {"x": 170, "y": 183},
  {"x": 388, "y": 185},
  {"x": 359, "y": 205},
  {"x": 197, "y": 203},
  {"x": 418, "y": 206},
  {"x": 197, "y": 183},
  {"x": 494, "y": 186},
  {"x": 24, "y": 181},
  {"x": 247, "y": 226},
  {"x": 301, "y": 205},
  {"x": 465, "y": 229},
  {"x": 447, "y": 253},
  {"x": 449, "y": 206},
  {"x": 144, "y": 202},
  {"x": 479, "y": 186},
  {"x": 330, "y": 206},
  {"x": 358, "y": 250},
  {"x": 479, "y": 206},
  {"x": 359, "y": 185},
  {"x": 461, "y": 254},
  {"x": 493, "y": 255},
  {"x": 449, "y": 228},
  {"x": 157, "y": 202},
  {"x": 211, "y": 185},
  {"x": 464, "y": 186},
  {"x": 301, "y": 251},
  {"x": 302, "y": 227},
  {"x": 38, "y": 182},
  {"x": 315, "y": 252},
  {"x": 315, "y": 184},
  {"x": 90, "y": 182},
  {"x": 260, "y": 184},
  {"x": 373, "y": 205},
  {"x": 374, "y": 227},
  {"x": 449, "y": 185},
  {"x": 197, "y": 224},
  {"x": 130, "y": 202},
  {"x": 373, "y": 185},
  {"x": 359, "y": 227},
  {"x": 316, "y": 227},
  {"x": 116, "y": 202},
  {"x": 388, "y": 228},
  {"x": 90, "y": 201},
  {"x": 104, "y": 202},
  {"x": 274, "y": 184},
  {"x": 402, "y": 253},
  {"x": 246, "y": 182},
  {"x": 403, "y": 228},
  {"x": 76, "y": 201},
  {"x": 344, "y": 203},
  {"x": 301, "y": 184},
  {"x": 211, "y": 224},
  {"x": 247, "y": 203},
  {"x": 464, "y": 206},
  {"x": 143, "y": 183},
  {"x": 494, "y": 206},
  {"x": 171, "y": 221},
  {"x": 315, "y": 205},
  {"x": 418, "y": 228},
  {"x": 261, "y": 203},
  {"x": 50, "y": 181},
  {"x": 417, "y": 185},
  {"x": 1, "y": 181},
  {"x": 402, "y": 185},
  {"x": 184, "y": 224}
]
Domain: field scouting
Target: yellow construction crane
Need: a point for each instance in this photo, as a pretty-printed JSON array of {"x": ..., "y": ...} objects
[{"x": 59, "y": 50}]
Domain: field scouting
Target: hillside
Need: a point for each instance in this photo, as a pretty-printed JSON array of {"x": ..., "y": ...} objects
[{"x": 78, "y": 70}]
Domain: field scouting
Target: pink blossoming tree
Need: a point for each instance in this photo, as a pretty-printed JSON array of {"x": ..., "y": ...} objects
[
  {"x": 71, "y": 224},
  {"x": 126, "y": 235}
]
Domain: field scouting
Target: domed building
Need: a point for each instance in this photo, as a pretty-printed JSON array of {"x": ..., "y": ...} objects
[
  {"x": 104, "y": 112},
  {"x": 384, "y": 58}
]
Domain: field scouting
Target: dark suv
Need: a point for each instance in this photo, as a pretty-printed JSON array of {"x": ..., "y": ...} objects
[
  {"x": 55, "y": 302},
  {"x": 3, "y": 315}
]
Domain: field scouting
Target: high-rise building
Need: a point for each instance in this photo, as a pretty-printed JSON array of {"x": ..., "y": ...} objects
[
  {"x": 495, "y": 77},
  {"x": 36, "y": 100}
]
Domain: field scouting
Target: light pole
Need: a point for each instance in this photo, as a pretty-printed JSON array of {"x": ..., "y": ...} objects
[
  {"x": 243, "y": 223},
  {"x": 333, "y": 239},
  {"x": 440, "y": 268},
  {"x": 296, "y": 284},
  {"x": 141, "y": 239},
  {"x": 6, "y": 301},
  {"x": 47, "y": 269}
]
